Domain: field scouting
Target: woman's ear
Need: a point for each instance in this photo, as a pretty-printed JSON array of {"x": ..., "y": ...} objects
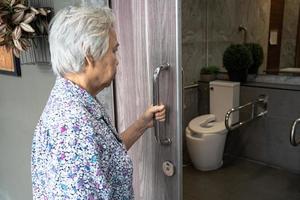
[{"x": 89, "y": 61}]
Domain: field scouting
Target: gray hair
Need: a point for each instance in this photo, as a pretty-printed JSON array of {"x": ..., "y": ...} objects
[{"x": 77, "y": 32}]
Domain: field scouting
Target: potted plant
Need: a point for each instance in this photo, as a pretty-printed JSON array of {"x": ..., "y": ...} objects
[
  {"x": 209, "y": 73},
  {"x": 19, "y": 23},
  {"x": 237, "y": 59},
  {"x": 257, "y": 56}
]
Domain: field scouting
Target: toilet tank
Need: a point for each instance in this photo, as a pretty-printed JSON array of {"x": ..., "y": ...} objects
[{"x": 224, "y": 95}]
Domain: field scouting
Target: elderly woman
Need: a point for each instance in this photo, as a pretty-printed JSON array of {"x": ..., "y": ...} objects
[{"x": 76, "y": 151}]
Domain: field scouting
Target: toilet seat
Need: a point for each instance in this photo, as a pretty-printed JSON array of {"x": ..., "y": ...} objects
[{"x": 206, "y": 124}]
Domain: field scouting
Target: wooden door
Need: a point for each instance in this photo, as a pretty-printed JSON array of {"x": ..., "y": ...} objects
[
  {"x": 149, "y": 35},
  {"x": 275, "y": 25},
  {"x": 297, "y": 57}
]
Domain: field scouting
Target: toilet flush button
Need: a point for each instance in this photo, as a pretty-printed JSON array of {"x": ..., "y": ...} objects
[{"x": 168, "y": 168}]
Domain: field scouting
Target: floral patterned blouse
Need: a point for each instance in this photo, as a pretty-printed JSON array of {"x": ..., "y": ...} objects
[{"x": 76, "y": 152}]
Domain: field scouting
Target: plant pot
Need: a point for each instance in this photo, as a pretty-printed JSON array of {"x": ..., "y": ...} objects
[
  {"x": 207, "y": 77},
  {"x": 253, "y": 70},
  {"x": 238, "y": 76}
]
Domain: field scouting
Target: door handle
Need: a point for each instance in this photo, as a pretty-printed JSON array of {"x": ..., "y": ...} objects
[
  {"x": 293, "y": 137},
  {"x": 157, "y": 71}
]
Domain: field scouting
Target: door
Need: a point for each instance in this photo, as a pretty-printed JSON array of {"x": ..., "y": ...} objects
[
  {"x": 297, "y": 62},
  {"x": 149, "y": 36},
  {"x": 275, "y": 25}
]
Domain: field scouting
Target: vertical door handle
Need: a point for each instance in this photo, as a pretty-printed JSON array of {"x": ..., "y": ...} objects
[
  {"x": 293, "y": 137},
  {"x": 157, "y": 71}
]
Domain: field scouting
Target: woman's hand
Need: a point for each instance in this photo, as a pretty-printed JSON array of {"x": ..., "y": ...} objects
[
  {"x": 133, "y": 132},
  {"x": 157, "y": 112}
]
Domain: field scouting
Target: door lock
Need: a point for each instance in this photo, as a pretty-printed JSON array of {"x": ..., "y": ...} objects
[{"x": 168, "y": 168}]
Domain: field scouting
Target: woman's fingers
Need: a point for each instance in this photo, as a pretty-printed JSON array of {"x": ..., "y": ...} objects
[
  {"x": 161, "y": 108},
  {"x": 163, "y": 112},
  {"x": 160, "y": 113},
  {"x": 161, "y": 119}
]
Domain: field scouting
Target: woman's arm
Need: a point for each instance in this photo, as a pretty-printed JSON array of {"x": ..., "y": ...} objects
[{"x": 134, "y": 132}]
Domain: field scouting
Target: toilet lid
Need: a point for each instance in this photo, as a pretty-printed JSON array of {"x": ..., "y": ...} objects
[{"x": 206, "y": 124}]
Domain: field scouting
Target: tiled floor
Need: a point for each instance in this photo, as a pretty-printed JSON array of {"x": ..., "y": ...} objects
[{"x": 240, "y": 180}]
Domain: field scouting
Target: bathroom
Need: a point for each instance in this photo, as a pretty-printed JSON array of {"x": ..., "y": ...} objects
[{"x": 259, "y": 160}]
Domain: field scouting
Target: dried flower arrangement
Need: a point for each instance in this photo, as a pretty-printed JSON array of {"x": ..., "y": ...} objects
[{"x": 19, "y": 23}]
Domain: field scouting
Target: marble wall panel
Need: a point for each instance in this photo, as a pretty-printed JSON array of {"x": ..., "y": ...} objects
[
  {"x": 193, "y": 39},
  {"x": 210, "y": 26},
  {"x": 224, "y": 19}
]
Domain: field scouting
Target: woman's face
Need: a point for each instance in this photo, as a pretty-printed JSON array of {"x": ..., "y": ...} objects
[{"x": 104, "y": 70}]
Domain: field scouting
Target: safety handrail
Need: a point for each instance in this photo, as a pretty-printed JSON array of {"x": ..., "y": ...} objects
[
  {"x": 262, "y": 101},
  {"x": 293, "y": 140},
  {"x": 160, "y": 138}
]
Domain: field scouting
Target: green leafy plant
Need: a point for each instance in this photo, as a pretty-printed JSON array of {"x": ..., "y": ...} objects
[
  {"x": 19, "y": 23},
  {"x": 210, "y": 70},
  {"x": 257, "y": 56},
  {"x": 237, "y": 57}
]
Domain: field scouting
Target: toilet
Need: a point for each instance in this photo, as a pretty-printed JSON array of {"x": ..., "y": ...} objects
[{"x": 206, "y": 134}]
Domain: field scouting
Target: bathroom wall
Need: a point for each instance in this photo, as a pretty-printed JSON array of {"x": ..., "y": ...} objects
[
  {"x": 224, "y": 18},
  {"x": 209, "y": 26},
  {"x": 289, "y": 33},
  {"x": 267, "y": 139},
  {"x": 193, "y": 39},
  {"x": 22, "y": 100}
]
